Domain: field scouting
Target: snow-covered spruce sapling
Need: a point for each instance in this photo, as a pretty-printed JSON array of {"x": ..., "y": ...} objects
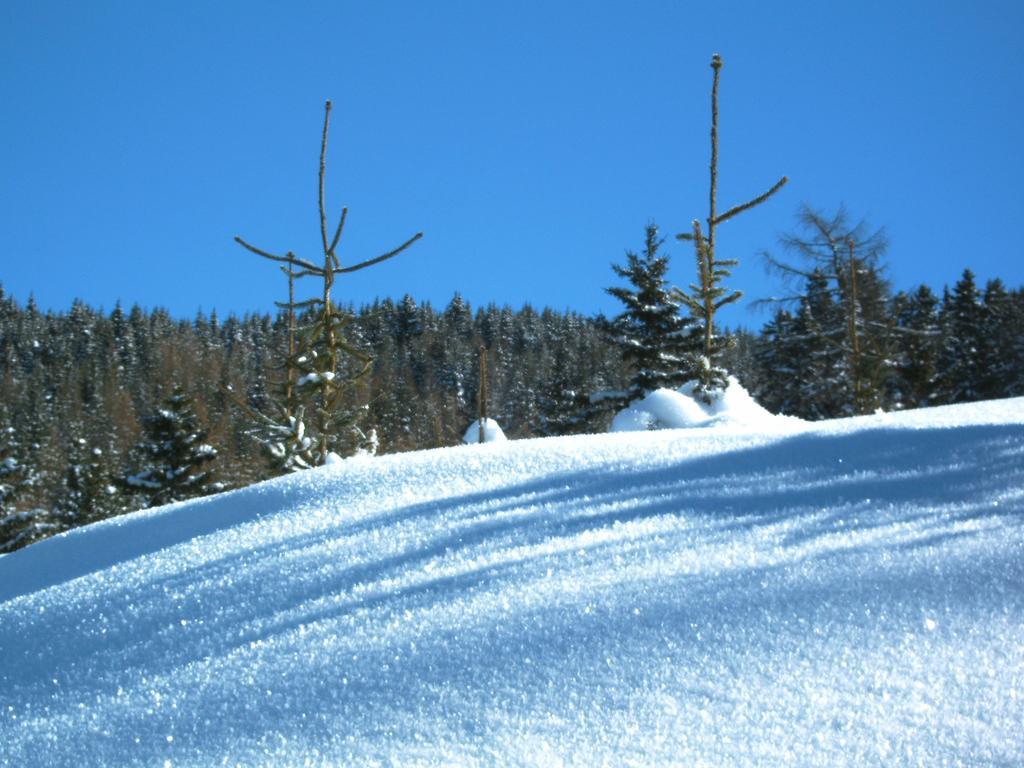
[
  {"x": 317, "y": 380},
  {"x": 708, "y": 295}
]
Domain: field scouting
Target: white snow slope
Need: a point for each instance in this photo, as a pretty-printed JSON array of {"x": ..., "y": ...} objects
[{"x": 842, "y": 593}]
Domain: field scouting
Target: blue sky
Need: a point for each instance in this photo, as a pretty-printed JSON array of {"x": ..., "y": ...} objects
[{"x": 529, "y": 141}]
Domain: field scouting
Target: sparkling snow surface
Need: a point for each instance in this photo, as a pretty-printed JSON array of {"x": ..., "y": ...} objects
[{"x": 830, "y": 594}]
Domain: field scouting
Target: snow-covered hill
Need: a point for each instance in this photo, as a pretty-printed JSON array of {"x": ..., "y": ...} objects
[{"x": 843, "y": 593}]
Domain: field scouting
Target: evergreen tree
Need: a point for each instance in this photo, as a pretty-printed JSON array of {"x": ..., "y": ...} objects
[
  {"x": 560, "y": 401},
  {"x": 174, "y": 456},
  {"x": 1014, "y": 340},
  {"x": 917, "y": 319},
  {"x": 999, "y": 343},
  {"x": 779, "y": 360},
  {"x": 801, "y": 366},
  {"x": 657, "y": 342},
  {"x": 959, "y": 375},
  {"x": 822, "y": 375}
]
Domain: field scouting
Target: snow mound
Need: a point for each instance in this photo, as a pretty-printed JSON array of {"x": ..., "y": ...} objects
[
  {"x": 661, "y": 409},
  {"x": 679, "y": 409},
  {"x": 492, "y": 433}
]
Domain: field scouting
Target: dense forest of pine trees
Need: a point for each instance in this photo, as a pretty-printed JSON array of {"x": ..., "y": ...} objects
[{"x": 107, "y": 412}]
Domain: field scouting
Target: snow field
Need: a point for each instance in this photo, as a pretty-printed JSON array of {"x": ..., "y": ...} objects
[{"x": 841, "y": 593}]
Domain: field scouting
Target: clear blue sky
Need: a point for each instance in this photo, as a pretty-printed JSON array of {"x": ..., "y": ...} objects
[{"x": 530, "y": 141}]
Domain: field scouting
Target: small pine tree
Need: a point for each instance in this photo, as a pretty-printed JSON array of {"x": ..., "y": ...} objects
[
  {"x": 656, "y": 341},
  {"x": 174, "y": 456}
]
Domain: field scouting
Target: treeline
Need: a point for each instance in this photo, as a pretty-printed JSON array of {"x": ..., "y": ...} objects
[
  {"x": 89, "y": 399},
  {"x": 914, "y": 349},
  {"x": 83, "y": 393}
]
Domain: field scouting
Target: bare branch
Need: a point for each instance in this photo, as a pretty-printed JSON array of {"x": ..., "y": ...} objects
[
  {"x": 772, "y": 300},
  {"x": 379, "y": 259},
  {"x": 337, "y": 232},
  {"x": 756, "y": 201},
  {"x": 290, "y": 258},
  {"x": 787, "y": 271},
  {"x": 300, "y": 304},
  {"x": 230, "y": 394}
]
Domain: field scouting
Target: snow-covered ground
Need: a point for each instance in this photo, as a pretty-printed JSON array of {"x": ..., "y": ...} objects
[{"x": 842, "y": 593}]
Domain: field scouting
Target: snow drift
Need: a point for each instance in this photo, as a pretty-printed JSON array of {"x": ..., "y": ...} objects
[
  {"x": 679, "y": 409},
  {"x": 845, "y": 593}
]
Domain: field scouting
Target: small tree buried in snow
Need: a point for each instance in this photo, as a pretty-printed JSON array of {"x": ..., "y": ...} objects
[
  {"x": 174, "y": 456},
  {"x": 707, "y": 295},
  {"x": 315, "y": 420}
]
